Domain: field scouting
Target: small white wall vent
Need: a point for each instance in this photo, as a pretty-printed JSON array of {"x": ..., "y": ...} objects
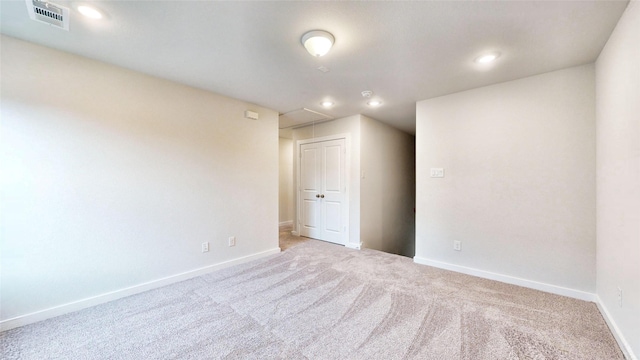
[
  {"x": 251, "y": 115},
  {"x": 48, "y": 13}
]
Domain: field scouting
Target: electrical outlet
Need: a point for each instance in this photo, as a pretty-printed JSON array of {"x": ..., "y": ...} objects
[
  {"x": 205, "y": 246},
  {"x": 232, "y": 241},
  {"x": 619, "y": 297},
  {"x": 457, "y": 245}
]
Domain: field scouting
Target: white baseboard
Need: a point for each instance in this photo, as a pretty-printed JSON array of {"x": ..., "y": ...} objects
[
  {"x": 286, "y": 223},
  {"x": 118, "y": 294},
  {"x": 295, "y": 233},
  {"x": 558, "y": 290},
  {"x": 617, "y": 334},
  {"x": 356, "y": 246}
]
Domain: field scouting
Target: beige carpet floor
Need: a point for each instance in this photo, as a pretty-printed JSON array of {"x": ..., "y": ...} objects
[
  {"x": 322, "y": 301},
  {"x": 288, "y": 240}
]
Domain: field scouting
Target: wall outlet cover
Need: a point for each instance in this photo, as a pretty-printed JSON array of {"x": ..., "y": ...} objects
[{"x": 457, "y": 245}]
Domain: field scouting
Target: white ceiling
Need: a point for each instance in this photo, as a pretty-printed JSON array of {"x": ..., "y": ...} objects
[{"x": 402, "y": 51}]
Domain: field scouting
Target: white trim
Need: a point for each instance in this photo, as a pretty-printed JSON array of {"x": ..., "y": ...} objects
[
  {"x": 617, "y": 334},
  {"x": 558, "y": 290},
  {"x": 285, "y": 223},
  {"x": 294, "y": 233},
  {"x": 118, "y": 294},
  {"x": 356, "y": 246}
]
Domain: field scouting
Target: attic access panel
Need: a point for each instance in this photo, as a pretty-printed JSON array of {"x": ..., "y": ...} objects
[{"x": 301, "y": 117}]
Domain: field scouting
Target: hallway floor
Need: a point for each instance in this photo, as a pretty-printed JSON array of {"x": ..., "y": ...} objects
[{"x": 287, "y": 240}]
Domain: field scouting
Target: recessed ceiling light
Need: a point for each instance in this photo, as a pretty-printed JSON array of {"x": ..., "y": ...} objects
[
  {"x": 327, "y": 104},
  {"x": 487, "y": 58},
  {"x": 89, "y": 12},
  {"x": 374, "y": 103}
]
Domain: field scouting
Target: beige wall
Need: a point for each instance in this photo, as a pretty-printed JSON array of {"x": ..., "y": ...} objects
[
  {"x": 285, "y": 195},
  {"x": 519, "y": 185},
  {"x": 111, "y": 179},
  {"x": 618, "y": 170},
  {"x": 348, "y": 125},
  {"x": 387, "y": 186}
]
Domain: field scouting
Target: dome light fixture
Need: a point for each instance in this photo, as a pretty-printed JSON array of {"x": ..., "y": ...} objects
[
  {"x": 327, "y": 104},
  {"x": 487, "y": 58},
  {"x": 374, "y": 102},
  {"x": 89, "y": 12},
  {"x": 317, "y": 42}
]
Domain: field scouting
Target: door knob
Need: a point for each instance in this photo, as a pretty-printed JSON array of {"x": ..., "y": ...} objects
[
  {"x": 322, "y": 196},
  {"x": 317, "y": 195}
]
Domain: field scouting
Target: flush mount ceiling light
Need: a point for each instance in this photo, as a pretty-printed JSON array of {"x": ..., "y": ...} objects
[
  {"x": 487, "y": 58},
  {"x": 327, "y": 104},
  {"x": 89, "y": 12},
  {"x": 317, "y": 42},
  {"x": 374, "y": 102}
]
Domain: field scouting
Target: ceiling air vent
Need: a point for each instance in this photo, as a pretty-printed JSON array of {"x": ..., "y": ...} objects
[{"x": 48, "y": 13}]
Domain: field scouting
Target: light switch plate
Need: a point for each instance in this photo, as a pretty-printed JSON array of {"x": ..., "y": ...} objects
[{"x": 437, "y": 172}]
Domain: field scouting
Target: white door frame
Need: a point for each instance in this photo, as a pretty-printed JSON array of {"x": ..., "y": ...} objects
[{"x": 347, "y": 145}]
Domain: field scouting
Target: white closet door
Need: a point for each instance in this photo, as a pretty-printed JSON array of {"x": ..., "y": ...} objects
[{"x": 323, "y": 191}]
